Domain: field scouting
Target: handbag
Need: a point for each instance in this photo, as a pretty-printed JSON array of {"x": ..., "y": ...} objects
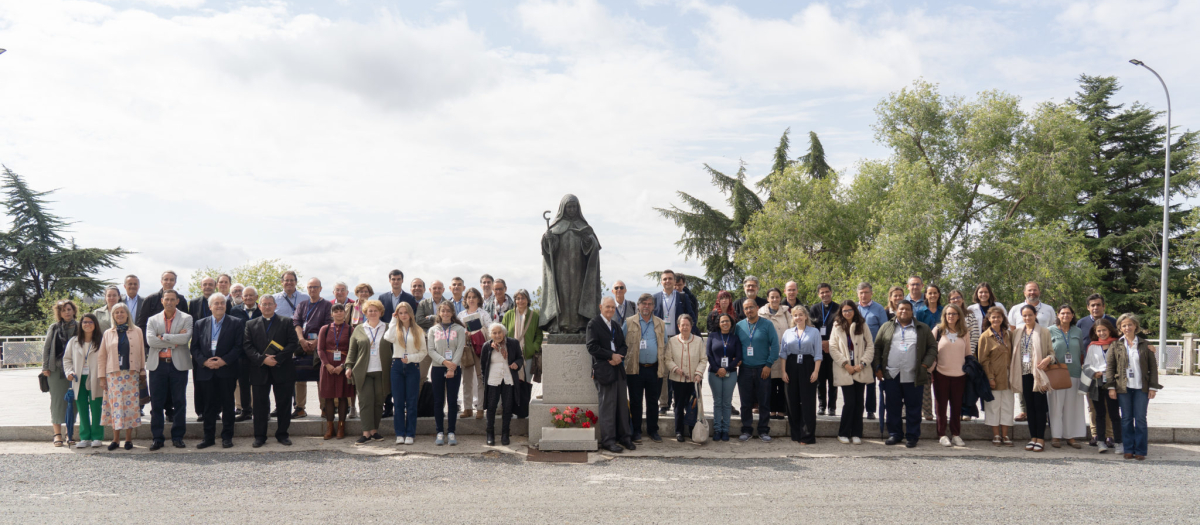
[
  {"x": 44, "y": 383},
  {"x": 468, "y": 358},
  {"x": 701, "y": 431},
  {"x": 1060, "y": 378}
]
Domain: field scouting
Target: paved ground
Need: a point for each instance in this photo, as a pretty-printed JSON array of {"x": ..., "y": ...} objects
[
  {"x": 21, "y": 403},
  {"x": 376, "y": 484}
]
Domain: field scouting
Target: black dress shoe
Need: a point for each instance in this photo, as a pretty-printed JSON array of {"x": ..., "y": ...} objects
[
  {"x": 274, "y": 414},
  {"x": 892, "y": 440},
  {"x": 637, "y": 439},
  {"x": 655, "y": 437},
  {"x": 178, "y": 443},
  {"x": 504, "y": 439},
  {"x": 387, "y": 414},
  {"x": 258, "y": 443},
  {"x": 128, "y": 445},
  {"x": 227, "y": 443},
  {"x": 871, "y": 416},
  {"x": 679, "y": 437},
  {"x": 662, "y": 411},
  {"x": 614, "y": 448},
  {"x": 376, "y": 437},
  {"x": 205, "y": 444},
  {"x": 628, "y": 445},
  {"x": 156, "y": 445},
  {"x": 734, "y": 412},
  {"x": 242, "y": 417},
  {"x": 114, "y": 445},
  {"x": 911, "y": 444},
  {"x": 284, "y": 441},
  {"x": 491, "y": 440}
]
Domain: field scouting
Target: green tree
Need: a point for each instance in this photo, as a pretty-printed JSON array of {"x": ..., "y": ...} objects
[
  {"x": 37, "y": 261},
  {"x": 263, "y": 275}
]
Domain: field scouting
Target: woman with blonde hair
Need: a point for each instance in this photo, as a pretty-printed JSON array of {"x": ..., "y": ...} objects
[
  {"x": 369, "y": 365},
  {"x": 1032, "y": 354},
  {"x": 1132, "y": 372},
  {"x": 894, "y": 296},
  {"x": 63, "y": 329},
  {"x": 409, "y": 343},
  {"x": 121, "y": 362},
  {"x": 363, "y": 293},
  {"x": 954, "y": 345}
]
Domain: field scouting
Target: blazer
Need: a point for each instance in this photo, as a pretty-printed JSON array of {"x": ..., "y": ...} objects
[
  {"x": 153, "y": 305},
  {"x": 358, "y": 360},
  {"x": 198, "y": 308},
  {"x": 229, "y": 347},
  {"x": 682, "y": 365},
  {"x": 603, "y": 339},
  {"x": 683, "y": 305},
  {"x": 240, "y": 312},
  {"x": 176, "y": 341},
  {"x": 388, "y": 299},
  {"x": 633, "y": 338},
  {"x": 141, "y": 301},
  {"x": 513, "y": 347},
  {"x": 926, "y": 349},
  {"x": 426, "y": 312},
  {"x": 255, "y": 350},
  {"x": 533, "y": 332},
  {"x": 108, "y": 359},
  {"x": 1118, "y": 360},
  {"x": 78, "y": 357},
  {"x": 630, "y": 308},
  {"x": 49, "y": 360},
  {"x": 839, "y": 352},
  {"x": 105, "y": 317},
  {"x": 995, "y": 358}
]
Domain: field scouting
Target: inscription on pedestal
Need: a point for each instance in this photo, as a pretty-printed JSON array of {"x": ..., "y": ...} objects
[{"x": 567, "y": 375}]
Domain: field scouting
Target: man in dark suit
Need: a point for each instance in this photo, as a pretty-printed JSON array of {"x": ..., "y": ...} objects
[
  {"x": 606, "y": 344},
  {"x": 246, "y": 311},
  {"x": 270, "y": 344},
  {"x": 397, "y": 294},
  {"x": 198, "y": 308},
  {"x": 216, "y": 347}
]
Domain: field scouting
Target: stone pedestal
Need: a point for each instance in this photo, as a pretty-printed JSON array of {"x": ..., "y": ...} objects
[{"x": 566, "y": 381}]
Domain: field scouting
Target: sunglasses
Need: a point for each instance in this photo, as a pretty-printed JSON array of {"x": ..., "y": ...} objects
[{"x": 618, "y": 288}]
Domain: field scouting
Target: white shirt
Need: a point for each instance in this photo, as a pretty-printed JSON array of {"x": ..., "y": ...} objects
[
  {"x": 499, "y": 372},
  {"x": 375, "y": 335},
  {"x": 1045, "y": 315}
]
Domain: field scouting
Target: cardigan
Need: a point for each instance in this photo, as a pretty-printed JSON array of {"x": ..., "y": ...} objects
[
  {"x": 724, "y": 345},
  {"x": 359, "y": 358},
  {"x": 77, "y": 357},
  {"x": 107, "y": 360},
  {"x": 839, "y": 352},
  {"x": 532, "y": 342},
  {"x": 680, "y": 365},
  {"x": 996, "y": 358},
  {"x": 633, "y": 339}
]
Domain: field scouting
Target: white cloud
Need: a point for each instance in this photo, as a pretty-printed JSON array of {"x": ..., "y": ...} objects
[{"x": 178, "y": 4}]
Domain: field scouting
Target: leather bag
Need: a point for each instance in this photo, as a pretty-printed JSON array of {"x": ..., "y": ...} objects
[{"x": 1060, "y": 378}]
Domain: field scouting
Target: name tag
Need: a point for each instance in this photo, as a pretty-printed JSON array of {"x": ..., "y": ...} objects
[
  {"x": 852, "y": 356},
  {"x": 450, "y": 355},
  {"x": 613, "y": 345},
  {"x": 337, "y": 355},
  {"x": 749, "y": 351},
  {"x": 1068, "y": 358},
  {"x": 121, "y": 362},
  {"x": 824, "y": 330},
  {"x": 1025, "y": 358},
  {"x": 668, "y": 321},
  {"x": 1129, "y": 371},
  {"x": 86, "y": 369},
  {"x": 642, "y": 344},
  {"x": 214, "y": 346},
  {"x": 906, "y": 348},
  {"x": 311, "y": 336},
  {"x": 724, "y": 362},
  {"x": 953, "y": 337},
  {"x": 374, "y": 350}
]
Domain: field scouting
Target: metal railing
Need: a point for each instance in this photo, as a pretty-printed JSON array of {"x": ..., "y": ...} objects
[{"x": 21, "y": 350}]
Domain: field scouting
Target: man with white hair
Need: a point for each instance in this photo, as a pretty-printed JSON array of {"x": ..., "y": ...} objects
[
  {"x": 235, "y": 295},
  {"x": 606, "y": 344},
  {"x": 246, "y": 311},
  {"x": 216, "y": 348},
  {"x": 625, "y": 307},
  {"x": 198, "y": 308}
]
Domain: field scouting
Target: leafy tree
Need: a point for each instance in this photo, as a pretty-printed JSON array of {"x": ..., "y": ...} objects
[
  {"x": 263, "y": 275},
  {"x": 37, "y": 261}
]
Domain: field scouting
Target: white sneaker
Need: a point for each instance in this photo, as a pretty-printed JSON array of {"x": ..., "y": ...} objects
[
  {"x": 408, "y": 440},
  {"x": 1120, "y": 449},
  {"x": 1101, "y": 446},
  {"x": 452, "y": 441},
  {"x": 96, "y": 443},
  {"x": 440, "y": 440},
  {"x": 856, "y": 441},
  {"x": 945, "y": 441},
  {"x": 83, "y": 444},
  {"x": 399, "y": 440},
  {"x": 844, "y": 440},
  {"x": 958, "y": 442}
]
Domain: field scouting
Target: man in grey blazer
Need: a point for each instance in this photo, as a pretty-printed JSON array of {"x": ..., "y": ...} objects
[
  {"x": 625, "y": 307},
  {"x": 167, "y": 334}
]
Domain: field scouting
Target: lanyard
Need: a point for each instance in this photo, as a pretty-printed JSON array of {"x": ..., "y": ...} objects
[
  {"x": 669, "y": 306},
  {"x": 903, "y": 338},
  {"x": 308, "y": 315},
  {"x": 337, "y": 336},
  {"x": 1025, "y": 343},
  {"x": 724, "y": 345},
  {"x": 752, "y": 328},
  {"x": 291, "y": 302},
  {"x": 825, "y": 314},
  {"x": 216, "y": 329},
  {"x": 374, "y": 334},
  {"x": 406, "y": 331}
]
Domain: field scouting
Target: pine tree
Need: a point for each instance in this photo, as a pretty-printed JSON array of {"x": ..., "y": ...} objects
[
  {"x": 36, "y": 260},
  {"x": 1119, "y": 207}
]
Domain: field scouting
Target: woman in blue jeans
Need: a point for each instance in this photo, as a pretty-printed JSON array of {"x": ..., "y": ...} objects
[
  {"x": 445, "y": 340},
  {"x": 1132, "y": 369},
  {"x": 408, "y": 342},
  {"x": 724, "y": 355}
]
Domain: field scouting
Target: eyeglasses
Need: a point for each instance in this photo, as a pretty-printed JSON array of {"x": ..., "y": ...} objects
[{"x": 618, "y": 288}]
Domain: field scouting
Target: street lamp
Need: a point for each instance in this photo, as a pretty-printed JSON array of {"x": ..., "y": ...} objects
[
  {"x": 2, "y": 51},
  {"x": 1162, "y": 298}
]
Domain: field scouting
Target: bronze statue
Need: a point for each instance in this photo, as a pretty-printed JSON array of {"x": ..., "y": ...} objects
[{"x": 570, "y": 271}]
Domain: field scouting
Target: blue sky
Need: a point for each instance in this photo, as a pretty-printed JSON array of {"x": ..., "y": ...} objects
[{"x": 351, "y": 137}]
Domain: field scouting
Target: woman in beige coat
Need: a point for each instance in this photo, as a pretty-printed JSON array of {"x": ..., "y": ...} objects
[
  {"x": 1032, "y": 353},
  {"x": 687, "y": 361},
  {"x": 852, "y": 350},
  {"x": 781, "y": 318},
  {"x": 995, "y": 356}
]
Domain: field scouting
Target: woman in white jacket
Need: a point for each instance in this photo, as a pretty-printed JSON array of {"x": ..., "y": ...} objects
[
  {"x": 852, "y": 350},
  {"x": 687, "y": 361},
  {"x": 79, "y": 365}
]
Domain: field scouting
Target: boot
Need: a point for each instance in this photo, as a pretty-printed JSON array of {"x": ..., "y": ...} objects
[
  {"x": 491, "y": 439},
  {"x": 329, "y": 430},
  {"x": 341, "y": 429}
]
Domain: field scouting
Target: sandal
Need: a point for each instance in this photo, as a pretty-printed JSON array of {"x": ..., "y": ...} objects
[
  {"x": 1008, "y": 442},
  {"x": 1074, "y": 444},
  {"x": 1037, "y": 447},
  {"x": 58, "y": 442},
  {"x": 1030, "y": 445},
  {"x": 996, "y": 440},
  {"x": 1056, "y": 443}
]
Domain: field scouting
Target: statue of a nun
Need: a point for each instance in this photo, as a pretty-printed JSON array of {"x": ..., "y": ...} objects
[{"x": 570, "y": 271}]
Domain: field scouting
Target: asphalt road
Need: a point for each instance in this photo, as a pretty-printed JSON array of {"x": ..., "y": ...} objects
[{"x": 334, "y": 487}]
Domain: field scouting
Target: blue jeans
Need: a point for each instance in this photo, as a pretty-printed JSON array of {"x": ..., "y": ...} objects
[
  {"x": 406, "y": 386},
  {"x": 1133, "y": 420},
  {"x": 722, "y": 392},
  {"x": 910, "y": 396},
  {"x": 168, "y": 385},
  {"x": 445, "y": 391}
]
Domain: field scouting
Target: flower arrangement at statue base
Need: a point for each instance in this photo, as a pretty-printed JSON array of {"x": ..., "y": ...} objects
[
  {"x": 574, "y": 430},
  {"x": 571, "y": 417}
]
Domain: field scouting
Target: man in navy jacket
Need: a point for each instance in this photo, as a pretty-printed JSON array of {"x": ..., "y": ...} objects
[{"x": 216, "y": 348}]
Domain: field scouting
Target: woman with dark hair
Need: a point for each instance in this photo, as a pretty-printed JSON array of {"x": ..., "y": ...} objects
[
  {"x": 446, "y": 341},
  {"x": 63, "y": 329},
  {"x": 333, "y": 350},
  {"x": 948, "y": 377},
  {"x": 723, "y": 305},
  {"x": 80, "y": 365},
  {"x": 931, "y": 315},
  {"x": 724, "y": 355},
  {"x": 1067, "y": 408},
  {"x": 995, "y": 356},
  {"x": 852, "y": 350},
  {"x": 522, "y": 325},
  {"x": 982, "y": 301},
  {"x": 1031, "y": 355},
  {"x": 1095, "y": 366}
]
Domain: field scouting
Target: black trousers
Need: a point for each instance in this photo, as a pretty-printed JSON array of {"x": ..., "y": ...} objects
[
  {"x": 825, "y": 389},
  {"x": 752, "y": 387},
  {"x": 197, "y": 397},
  {"x": 871, "y": 403},
  {"x": 1037, "y": 408},
  {"x": 284, "y": 390},
  {"x": 218, "y": 399},
  {"x": 852, "y": 411},
  {"x": 646, "y": 387},
  {"x": 1108, "y": 411},
  {"x": 779, "y": 401},
  {"x": 685, "y": 407},
  {"x": 802, "y": 399},
  {"x": 613, "y": 422},
  {"x": 504, "y": 395},
  {"x": 244, "y": 391}
]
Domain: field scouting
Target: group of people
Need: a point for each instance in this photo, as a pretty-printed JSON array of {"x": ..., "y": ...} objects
[
  {"x": 922, "y": 355},
  {"x": 239, "y": 349}
]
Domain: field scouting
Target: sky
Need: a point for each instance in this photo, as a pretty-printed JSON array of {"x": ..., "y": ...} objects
[{"x": 347, "y": 138}]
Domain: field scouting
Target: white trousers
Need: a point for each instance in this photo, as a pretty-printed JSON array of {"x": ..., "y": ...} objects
[
  {"x": 1000, "y": 411},
  {"x": 1068, "y": 412}
]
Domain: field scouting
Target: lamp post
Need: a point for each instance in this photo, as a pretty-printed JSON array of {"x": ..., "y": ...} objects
[{"x": 1162, "y": 298}]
